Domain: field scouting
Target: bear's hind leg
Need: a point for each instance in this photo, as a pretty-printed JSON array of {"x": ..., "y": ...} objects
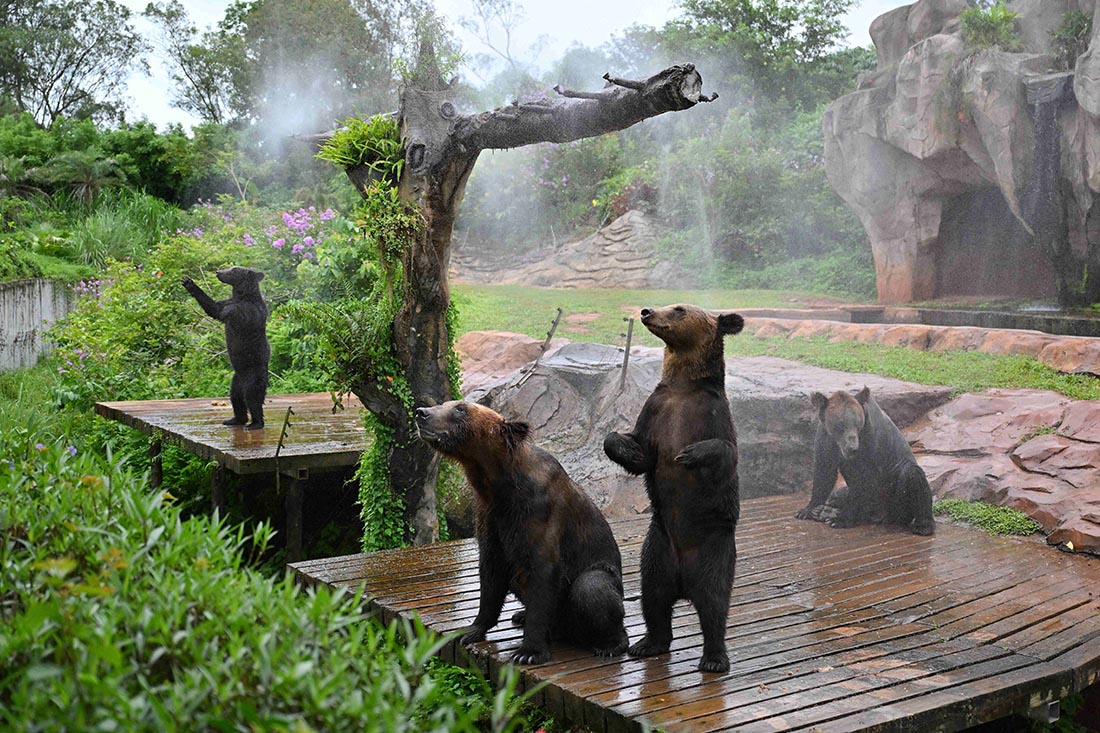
[
  {"x": 236, "y": 399},
  {"x": 710, "y": 591},
  {"x": 596, "y": 611},
  {"x": 254, "y": 393},
  {"x": 660, "y": 589},
  {"x": 917, "y": 496}
]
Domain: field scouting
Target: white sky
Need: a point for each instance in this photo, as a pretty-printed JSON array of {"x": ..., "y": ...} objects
[{"x": 565, "y": 22}]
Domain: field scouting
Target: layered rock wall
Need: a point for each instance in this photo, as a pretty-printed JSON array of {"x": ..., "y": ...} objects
[{"x": 941, "y": 131}]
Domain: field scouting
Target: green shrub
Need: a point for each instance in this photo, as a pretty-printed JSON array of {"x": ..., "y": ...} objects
[
  {"x": 1071, "y": 38},
  {"x": 374, "y": 142},
  {"x": 993, "y": 519},
  {"x": 116, "y": 613},
  {"x": 842, "y": 274},
  {"x": 990, "y": 24}
]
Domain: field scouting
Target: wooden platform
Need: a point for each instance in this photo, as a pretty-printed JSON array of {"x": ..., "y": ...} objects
[
  {"x": 318, "y": 437},
  {"x": 868, "y": 629}
]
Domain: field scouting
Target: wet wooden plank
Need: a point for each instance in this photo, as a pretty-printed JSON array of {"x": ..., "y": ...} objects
[
  {"x": 318, "y": 437},
  {"x": 833, "y": 630}
]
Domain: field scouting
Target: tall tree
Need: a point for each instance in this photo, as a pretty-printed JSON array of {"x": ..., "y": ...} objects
[
  {"x": 441, "y": 147},
  {"x": 205, "y": 68},
  {"x": 67, "y": 58}
]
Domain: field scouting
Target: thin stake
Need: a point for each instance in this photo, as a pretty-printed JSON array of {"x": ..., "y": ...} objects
[
  {"x": 542, "y": 349},
  {"x": 626, "y": 353},
  {"x": 279, "y": 449}
]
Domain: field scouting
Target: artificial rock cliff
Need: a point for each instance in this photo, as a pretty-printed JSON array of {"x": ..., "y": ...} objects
[{"x": 974, "y": 172}]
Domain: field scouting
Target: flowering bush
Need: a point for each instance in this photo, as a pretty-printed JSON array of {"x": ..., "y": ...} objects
[{"x": 136, "y": 334}]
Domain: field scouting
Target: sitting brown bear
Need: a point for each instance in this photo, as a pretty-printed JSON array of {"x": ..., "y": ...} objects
[
  {"x": 538, "y": 535},
  {"x": 856, "y": 439}
]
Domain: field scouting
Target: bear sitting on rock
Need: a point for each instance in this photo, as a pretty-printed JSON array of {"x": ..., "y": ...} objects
[
  {"x": 856, "y": 439},
  {"x": 684, "y": 442},
  {"x": 539, "y": 535},
  {"x": 245, "y": 318}
]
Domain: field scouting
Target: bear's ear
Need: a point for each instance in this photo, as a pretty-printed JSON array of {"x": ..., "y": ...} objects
[
  {"x": 863, "y": 395},
  {"x": 515, "y": 432},
  {"x": 730, "y": 323},
  {"x": 819, "y": 401}
]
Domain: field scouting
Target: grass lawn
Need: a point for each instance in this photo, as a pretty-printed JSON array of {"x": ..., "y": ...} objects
[{"x": 597, "y": 315}]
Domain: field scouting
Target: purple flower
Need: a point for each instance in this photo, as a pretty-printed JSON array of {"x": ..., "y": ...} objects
[
  {"x": 248, "y": 240},
  {"x": 278, "y": 243},
  {"x": 298, "y": 249},
  {"x": 71, "y": 450},
  {"x": 308, "y": 241},
  {"x": 327, "y": 214},
  {"x": 39, "y": 447}
]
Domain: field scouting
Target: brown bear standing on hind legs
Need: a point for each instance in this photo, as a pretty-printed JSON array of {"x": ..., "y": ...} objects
[
  {"x": 684, "y": 442},
  {"x": 538, "y": 535},
  {"x": 856, "y": 439},
  {"x": 245, "y": 317}
]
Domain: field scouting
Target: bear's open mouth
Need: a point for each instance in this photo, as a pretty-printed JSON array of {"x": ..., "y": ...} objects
[{"x": 426, "y": 434}]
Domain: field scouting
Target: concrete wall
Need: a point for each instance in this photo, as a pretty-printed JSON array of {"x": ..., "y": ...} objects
[{"x": 27, "y": 309}]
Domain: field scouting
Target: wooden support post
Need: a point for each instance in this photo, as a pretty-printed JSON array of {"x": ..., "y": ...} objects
[
  {"x": 218, "y": 485},
  {"x": 295, "y": 491},
  {"x": 626, "y": 351},
  {"x": 156, "y": 465}
]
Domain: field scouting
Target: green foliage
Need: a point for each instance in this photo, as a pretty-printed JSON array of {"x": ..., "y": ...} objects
[
  {"x": 842, "y": 273},
  {"x": 990, "y": 24},
  {"x": 993, "y": 519},
  {"x": 119, "y": 614},
  {"x": 355, "y": 338},
  {"x": 374, "y": 142},
  {"x": 67, "y": 58},
  {"x": 1071, "y": 38},
  {"x": 743, "y": 193}
]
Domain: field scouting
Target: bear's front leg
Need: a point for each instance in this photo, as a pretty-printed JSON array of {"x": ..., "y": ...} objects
[
  {"x": 715, "y": 454},
  {"x": 540, "y": 605},
  {"x": 493, "y": 573},
  {"x": 625, "y": 450}
]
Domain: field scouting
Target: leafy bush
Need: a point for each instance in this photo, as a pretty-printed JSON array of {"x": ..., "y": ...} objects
[
  {"x": 136, "y": 334},
  {"x": 751, "y": 195},
  {"x": 990, "y": 24},
  {"x": 993, "y": 519},
  {"x": 118, "y": 614},
  {"x": 374, "y": 142},
  {"x": 842, "y": 274},
  {"x": 1071, "y": 38}
]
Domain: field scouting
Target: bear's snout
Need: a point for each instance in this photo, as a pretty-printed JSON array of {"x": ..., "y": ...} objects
[{"x": 646, "y": 312}]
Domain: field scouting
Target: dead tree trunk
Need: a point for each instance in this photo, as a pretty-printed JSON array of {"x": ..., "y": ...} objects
[{"x": 441, "y": 148}]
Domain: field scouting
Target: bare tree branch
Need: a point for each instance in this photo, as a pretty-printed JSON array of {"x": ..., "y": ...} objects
[{"x": 581, "y": 115}]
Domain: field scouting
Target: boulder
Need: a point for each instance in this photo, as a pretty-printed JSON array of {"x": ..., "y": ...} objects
[
  {"x": 1031, "y": 450},
  {"x": 577, "y": 395}
]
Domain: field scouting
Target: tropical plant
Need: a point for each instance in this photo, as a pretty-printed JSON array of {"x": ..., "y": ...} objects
[
  {"x": 1071, "y": 38},
  {"x": 990, "y": 24},
  {"x": 83, "y": 173},
  {"x": 374, "y": 142}
]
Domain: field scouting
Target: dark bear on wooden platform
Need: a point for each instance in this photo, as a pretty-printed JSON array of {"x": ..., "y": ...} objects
[
  {"x": 538, "y": 535},
  {"x": 856, "y": 439},
  {"x": 684, "y": 442},
  {"x": 245, "y": 318}
]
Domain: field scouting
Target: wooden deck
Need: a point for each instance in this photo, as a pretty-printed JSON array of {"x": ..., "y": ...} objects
[
  {"x": 318, "y": 437},
  {"x": 868, "y": 629}
]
